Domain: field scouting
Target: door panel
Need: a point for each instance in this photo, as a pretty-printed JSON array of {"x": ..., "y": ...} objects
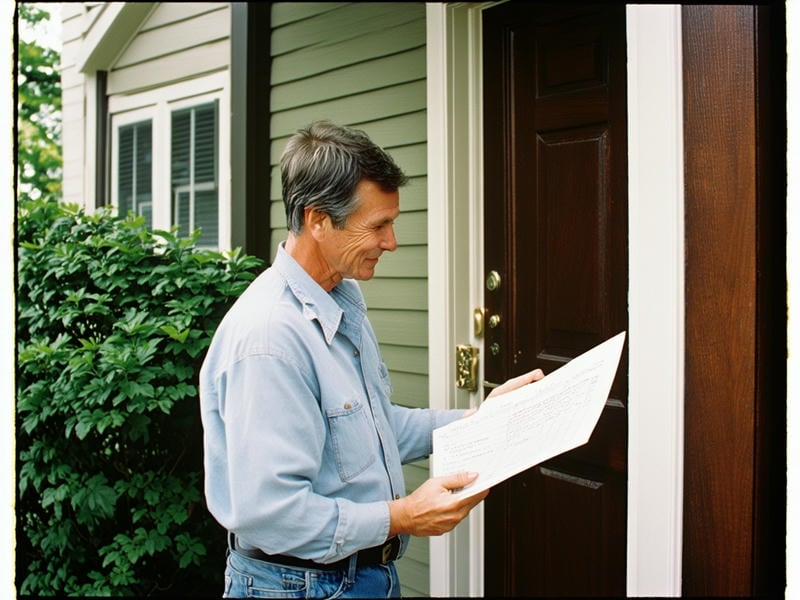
[{"x": 555, "y": 219}]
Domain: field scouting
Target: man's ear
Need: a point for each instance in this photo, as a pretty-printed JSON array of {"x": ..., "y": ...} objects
[{"x": 316, "y": 222}]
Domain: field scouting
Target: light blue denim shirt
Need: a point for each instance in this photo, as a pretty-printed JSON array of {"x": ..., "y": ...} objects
[{"x": 303, "y": 448}]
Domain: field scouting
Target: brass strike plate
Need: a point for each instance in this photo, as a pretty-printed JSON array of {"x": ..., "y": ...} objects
[{"x": 467, "y": 367}]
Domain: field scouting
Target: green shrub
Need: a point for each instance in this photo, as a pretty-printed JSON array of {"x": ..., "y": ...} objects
[{"x": 113, "y": 322}]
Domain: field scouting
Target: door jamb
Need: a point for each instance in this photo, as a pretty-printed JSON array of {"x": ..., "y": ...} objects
[{"x": 455, "y": 265}]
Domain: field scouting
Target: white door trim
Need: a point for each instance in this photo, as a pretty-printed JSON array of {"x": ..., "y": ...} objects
[
  {"x": 655, "y": 451},
  {"x": 455, "y": 245},
  {"x": 655, "y": 300}
]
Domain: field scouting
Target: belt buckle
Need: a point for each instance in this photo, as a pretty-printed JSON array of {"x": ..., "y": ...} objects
[{"x": 390, "y": 550}]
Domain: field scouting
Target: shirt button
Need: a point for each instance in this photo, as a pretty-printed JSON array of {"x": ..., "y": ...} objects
[
  {"x": 347, "y": 406},
  {"x": 355, "y": 352},
  {"x": 397, "y": 496}
]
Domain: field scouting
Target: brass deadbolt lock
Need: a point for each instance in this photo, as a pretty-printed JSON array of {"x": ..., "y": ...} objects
[{"x": 493, "y": 281}]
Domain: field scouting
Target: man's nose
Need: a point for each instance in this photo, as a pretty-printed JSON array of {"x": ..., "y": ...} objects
[{"x": 389, "y": 241}]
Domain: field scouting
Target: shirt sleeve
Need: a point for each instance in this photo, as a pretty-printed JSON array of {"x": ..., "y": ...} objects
[
  {"x": 262, "y": 462},
  {"x": 414, "y": 429}
]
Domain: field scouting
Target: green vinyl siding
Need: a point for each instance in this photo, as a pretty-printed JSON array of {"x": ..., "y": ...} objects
[{"x": 362, "y": 64}]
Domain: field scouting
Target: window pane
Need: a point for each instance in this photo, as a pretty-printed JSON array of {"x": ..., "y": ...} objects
[
  {"x": 205, "y": 217},
  {"x": 205, "y": 151},
  {"x": 181, "y": 146},
  {"x": 194, "y": 172},
  {"x": 182, "y": 210},
  {"x": 125, "y": 170},
  {"x": 144, "y": 172},
  {"x": 135, "y": 170}
]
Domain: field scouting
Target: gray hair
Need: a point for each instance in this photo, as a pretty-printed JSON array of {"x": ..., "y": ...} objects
[{"x": 321, "y": 167}]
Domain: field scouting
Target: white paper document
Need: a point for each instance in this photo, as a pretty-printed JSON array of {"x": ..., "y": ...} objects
[{"x": 515, "y": 431}]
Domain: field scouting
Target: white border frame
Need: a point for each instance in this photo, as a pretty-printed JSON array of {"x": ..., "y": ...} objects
[
  {"x": 655, "y": 493},
  {"x": 793, "y": 292}
]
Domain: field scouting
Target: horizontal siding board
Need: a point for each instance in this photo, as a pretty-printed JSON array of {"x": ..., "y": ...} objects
[
  {"x": 284, "y": 13},
  {"x": 416, "y": 473},
  {"x": 275, "y": 192},
  {"x": 359, "y": 78},
  {"x": 414, "y": 196},
  {"x": 412, "y": 159},
  {"x": 398, "y": 130},
  {"x": 404, "y": 294},
  {"x": 94, "y": 10},
  {"x": 390, "y": 132},
  {"x": 361, "y": 108},
  {"x": 411, "y": 228},
  {"x": 417, "y": 552},
  {"x": 70, "y": 10},
  {"x": 320, "y": 59},
  {"x": 173, "y": 12},
  {"x": 344, "y": 23},
  {"x": 413, "y": 567},
  {"x": 405, "y": 359},
  {"x": 405, "y": 328},
  {"x": 176, "y": 67},
  {"x": 149, "y": 45},
  {"x": 277, "y": 214},
  {"x": 413, "y": 577},
  {"x": 71, "y": 25},
  {"x": 277, "y": 238},
  {"x": 408, "y": 261},
  {"x": 410, "y": 389}
]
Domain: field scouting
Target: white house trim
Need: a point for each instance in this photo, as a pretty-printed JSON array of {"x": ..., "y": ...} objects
[
  {"x": 455, "y": 250},
  {"x": 110, "y": 33},
  {"x": 655, "y": 457},
  {"x": 655, "y": 300}
]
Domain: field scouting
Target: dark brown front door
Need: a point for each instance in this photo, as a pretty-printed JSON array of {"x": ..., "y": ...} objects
[{"x": 556, "y": 234}]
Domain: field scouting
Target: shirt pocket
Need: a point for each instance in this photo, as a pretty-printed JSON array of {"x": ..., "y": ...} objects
[{"x": 352, "y": 438}]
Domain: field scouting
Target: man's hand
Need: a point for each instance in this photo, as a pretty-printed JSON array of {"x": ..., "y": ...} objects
[
  {"x": 517, "y": 382},
  {"x": 432, "y": 509},
  {"x": 511, "y": 384}
]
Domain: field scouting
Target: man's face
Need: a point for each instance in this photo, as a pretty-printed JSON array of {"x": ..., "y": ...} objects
[{"x": 354, "y": 250}]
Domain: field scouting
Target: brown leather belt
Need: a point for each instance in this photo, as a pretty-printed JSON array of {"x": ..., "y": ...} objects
[{"x": 377, "y": 555}]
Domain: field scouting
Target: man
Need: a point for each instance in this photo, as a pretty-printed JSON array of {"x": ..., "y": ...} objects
[{"x": 303, "y": 449}]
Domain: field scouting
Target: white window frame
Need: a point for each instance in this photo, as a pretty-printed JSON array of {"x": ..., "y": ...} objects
[{"x": 158, "y": 105}]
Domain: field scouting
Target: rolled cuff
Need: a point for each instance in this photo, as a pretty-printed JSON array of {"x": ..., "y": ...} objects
[{"x": 360, "y": 525}]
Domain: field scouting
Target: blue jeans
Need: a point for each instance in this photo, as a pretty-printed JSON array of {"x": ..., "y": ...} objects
[{"x": 251, "y": 578}]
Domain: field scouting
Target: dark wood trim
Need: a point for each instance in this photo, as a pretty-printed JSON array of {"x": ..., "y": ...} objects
[
  {"x": 102, "y": 156},
  {"x": 250, "y": 140},
  {"x": 734, "y": 507}
]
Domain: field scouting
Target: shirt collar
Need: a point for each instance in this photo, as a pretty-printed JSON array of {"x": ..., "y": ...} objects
[{"x": 345, "y": 300}]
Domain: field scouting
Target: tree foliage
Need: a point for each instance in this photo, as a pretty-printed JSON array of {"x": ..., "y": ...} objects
[
  {"x": 113, "y": 322},
  {"x": 39, "y": 113}
]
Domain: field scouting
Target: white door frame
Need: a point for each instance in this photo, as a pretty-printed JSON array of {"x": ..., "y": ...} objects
[{"x": 656, "y": 296}]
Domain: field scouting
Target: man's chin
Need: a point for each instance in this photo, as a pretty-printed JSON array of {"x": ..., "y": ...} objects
[{"x": 366, "y": 272}]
